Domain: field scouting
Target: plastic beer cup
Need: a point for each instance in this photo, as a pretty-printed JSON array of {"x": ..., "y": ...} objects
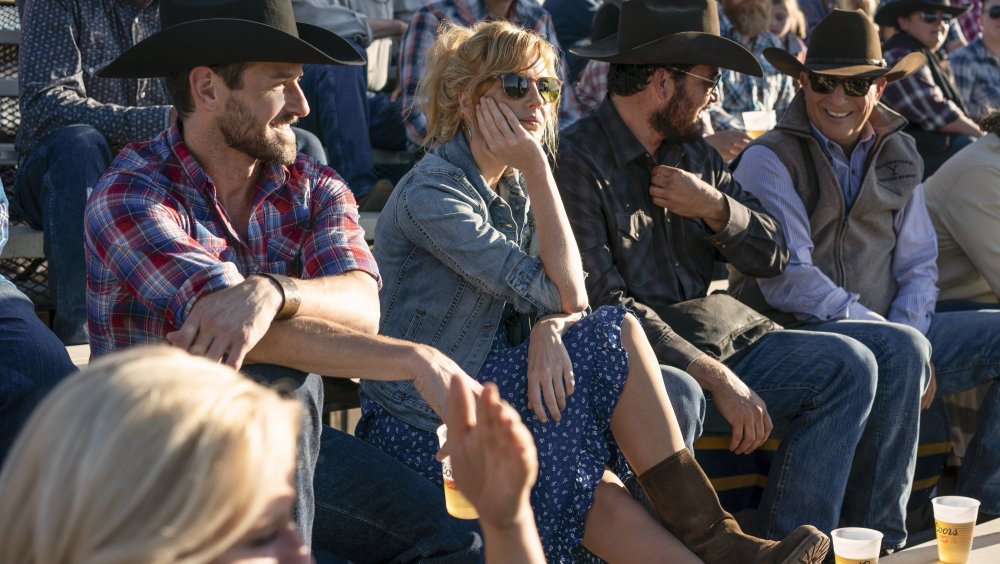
[
  {"x": 454, "y": 500},
  {"x": 759, "y": 123},
  {"x": 856, "y": 545},
  {"x": 954, "y": 520}
]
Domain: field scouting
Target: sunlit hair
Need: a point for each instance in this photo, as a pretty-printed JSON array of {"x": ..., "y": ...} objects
[
  {"x": 866, "y": 6},
  {"x": 749, "y": 17},
  {"x": 991, "y": 122},
  {"x": 796, "y": 19},
  {"x": 466, "y": 60},
  {"x": 151, "y": 455}
]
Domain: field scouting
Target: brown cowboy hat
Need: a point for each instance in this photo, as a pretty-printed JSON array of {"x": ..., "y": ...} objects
[
  {"x": 682, "y": 32},
  {"x": 888, "y": 14},
  {"x": 845, "y": 43},
  {"x": 196, "y": 32}
]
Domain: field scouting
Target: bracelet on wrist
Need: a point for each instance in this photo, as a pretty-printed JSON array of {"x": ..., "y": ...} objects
[{"x": 290, "y": 298}]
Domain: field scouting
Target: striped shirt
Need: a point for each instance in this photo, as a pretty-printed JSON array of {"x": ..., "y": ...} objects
[
  {"x": 157, "y": 238},
  {"x": 803, "y": 288},
  {"x": 423, "y": 29}
]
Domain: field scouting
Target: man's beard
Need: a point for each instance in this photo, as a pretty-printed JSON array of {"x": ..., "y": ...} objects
[
  {"x": 237, "y": 125},
  {"x": 677, "y": 121}
]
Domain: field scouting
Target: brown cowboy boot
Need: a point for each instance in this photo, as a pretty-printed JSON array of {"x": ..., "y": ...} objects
[{"x": 689, "y": 508}]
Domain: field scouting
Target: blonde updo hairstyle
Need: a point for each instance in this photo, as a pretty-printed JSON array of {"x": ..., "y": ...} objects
[
  {"x": 464, "y": 60},
  {"x": 151, "y": 455}
]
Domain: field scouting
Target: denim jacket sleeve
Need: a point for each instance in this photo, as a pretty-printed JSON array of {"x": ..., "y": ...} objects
[{"x": 441, "y": 213}]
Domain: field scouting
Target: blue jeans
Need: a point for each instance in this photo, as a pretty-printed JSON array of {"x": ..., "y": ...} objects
[
  {"x": 308, "y": 389},
  {"x": 32, "y": 362},
  {"x": 689, "y": 403},
  {"x": 372, "y": 508},
  {"x": 53, "y": 181},
  {"x": 350, "y": 121},
  {"x": 306, "y": 142},
  {"x": 966, "y": 354},
  {"x": 357, "y": 502},
  {"x": 818, "y": 390},
  {"x": 882, "y": 472}
]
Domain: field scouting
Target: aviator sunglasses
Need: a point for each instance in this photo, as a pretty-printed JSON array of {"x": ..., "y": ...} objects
[
  {"x": 516, "y": 86},
  {"x": 933, "y": 17},
  {"x": 823, "y": 84}
]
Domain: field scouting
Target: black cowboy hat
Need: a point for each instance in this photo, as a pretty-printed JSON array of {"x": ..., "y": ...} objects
[
  {"x": 891, "y": 11},
  {"x": 605, "y": 20},
  {"x": 216, "y": 32},
  {"x": 845, "y": 44},
  {"x": 683, "y": 32}
]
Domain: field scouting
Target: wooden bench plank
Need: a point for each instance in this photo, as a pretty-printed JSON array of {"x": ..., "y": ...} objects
[{"x": 24, "y": 242}]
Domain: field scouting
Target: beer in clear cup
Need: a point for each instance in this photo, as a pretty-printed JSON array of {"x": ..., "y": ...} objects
[
  {"x": 759, "y": 123},
  {"x": 454, "y": 500},
  {"x": 856, "y": 545},
  {"x": 954, "y": 521}
]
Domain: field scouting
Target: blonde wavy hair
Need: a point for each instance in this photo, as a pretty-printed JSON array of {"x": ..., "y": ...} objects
[
  {"x": 466, "y": 60},
  {"x": 796, "y": 19},
  {"x": 151, "y": 455}
]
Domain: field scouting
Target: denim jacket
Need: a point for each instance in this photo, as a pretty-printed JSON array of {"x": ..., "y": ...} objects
[{"x": 453, "y": 254}]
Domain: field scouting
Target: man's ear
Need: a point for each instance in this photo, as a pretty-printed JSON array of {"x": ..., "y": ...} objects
[
  {"x": 880, "y": 88},
  {"x": 663, "y": 84},
  {"x": 903, "y": 22},
  {"x": 204, "y": 85}
]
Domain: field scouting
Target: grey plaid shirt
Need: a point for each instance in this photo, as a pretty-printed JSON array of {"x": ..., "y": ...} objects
[
  {"x": 977, "y": 75},
  {"x": 65, "y": 43}
]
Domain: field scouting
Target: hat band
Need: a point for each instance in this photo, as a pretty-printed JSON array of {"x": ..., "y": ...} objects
[{"x": 837, "y": 61}]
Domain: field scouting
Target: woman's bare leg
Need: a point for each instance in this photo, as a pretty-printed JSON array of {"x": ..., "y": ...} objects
[
  {"x": 647, "y": 432},
  {"x": 619, "y": 529},
  {"x": 643, "y": 422}
]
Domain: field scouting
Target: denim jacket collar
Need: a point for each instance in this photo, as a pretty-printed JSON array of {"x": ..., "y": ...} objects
[{"x": 457, "y": 152}]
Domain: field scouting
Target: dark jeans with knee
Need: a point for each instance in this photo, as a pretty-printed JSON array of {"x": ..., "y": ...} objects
[
  {"x": 351, "y": 121},
  {"x": 53, "y": 182},
  {"x": 818, "y": 390},
  {"x": 357, "y": 502},
  {"x": 32, "y": 362}
]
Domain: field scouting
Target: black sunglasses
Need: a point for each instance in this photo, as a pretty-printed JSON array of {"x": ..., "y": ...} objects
[
  {"x": 994, "y": 12},
  {"x": 516, "y": 86},
  {"x": 823, "y": 84},
  {"x": 933, "y": 17}
]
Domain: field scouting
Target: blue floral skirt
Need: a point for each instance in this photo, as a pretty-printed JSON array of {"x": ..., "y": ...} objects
[{"x": 572, "y": 454}]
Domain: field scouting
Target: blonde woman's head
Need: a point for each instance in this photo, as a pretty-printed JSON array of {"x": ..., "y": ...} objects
[
  {"x": 464, "y": 64},
  {"x": 150, "y": 455},
  {"x": 786, "y": 17}
]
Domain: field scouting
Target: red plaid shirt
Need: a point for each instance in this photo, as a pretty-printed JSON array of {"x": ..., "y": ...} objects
[{"x": 157, "y": 237}]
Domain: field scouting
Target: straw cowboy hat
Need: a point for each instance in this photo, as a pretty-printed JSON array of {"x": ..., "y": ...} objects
[
  {"x": 845, "y": 44},
  {"x": 215, "y": 32},
  {"x": 683, "y": 32},
  {"x": 888, "y": 13}
]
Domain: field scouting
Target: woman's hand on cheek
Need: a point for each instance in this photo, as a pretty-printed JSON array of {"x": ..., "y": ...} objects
[{"x": 505, "y": 137}]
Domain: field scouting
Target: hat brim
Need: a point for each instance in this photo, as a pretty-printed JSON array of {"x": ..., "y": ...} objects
[
  {"x": 788, "y": 64},
  {"x": 889, "y": 14},
  {"x": 222, "y": 41},
  {"x": 684, "y": 48}
]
